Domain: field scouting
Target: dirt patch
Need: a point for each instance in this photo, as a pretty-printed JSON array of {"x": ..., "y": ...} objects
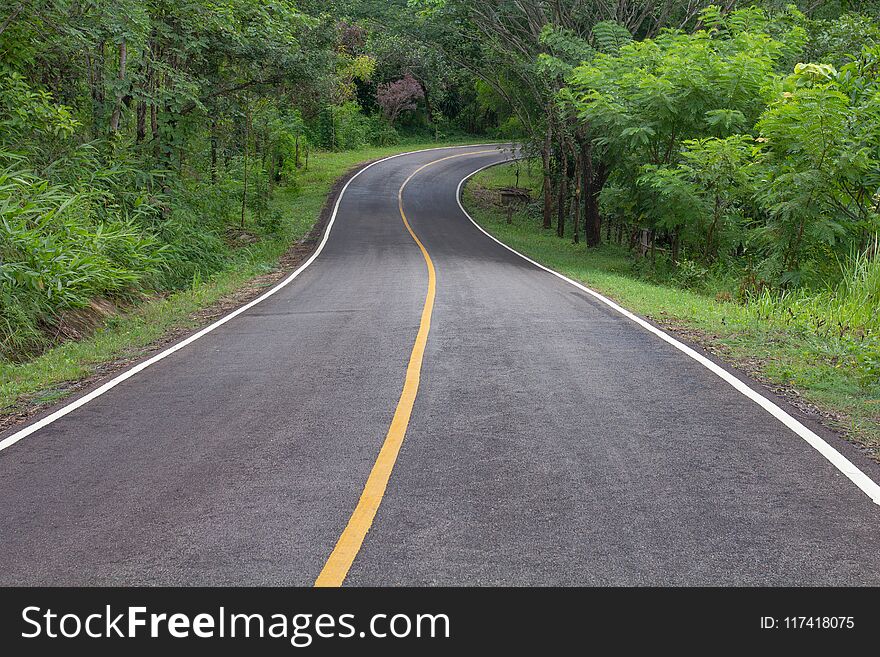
[
  {"x": 77, "y": 325},
  {"x": 238, "y": 237},
  {"x": 485, "y": 197},
  {"x": 82, "y": 322}
]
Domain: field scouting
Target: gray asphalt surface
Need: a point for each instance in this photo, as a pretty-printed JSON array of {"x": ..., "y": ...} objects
[{"x": 552, "y": 441}]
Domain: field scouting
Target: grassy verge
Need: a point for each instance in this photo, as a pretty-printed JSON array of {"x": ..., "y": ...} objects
[
  {"x": 47, "y": 378},
  {"x": 773, "y": 344}
]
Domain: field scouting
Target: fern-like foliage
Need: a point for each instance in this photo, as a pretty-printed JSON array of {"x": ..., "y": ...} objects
[{"x": 609, "y": 37}]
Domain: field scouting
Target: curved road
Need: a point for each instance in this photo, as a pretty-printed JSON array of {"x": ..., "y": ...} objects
[{"x": 552, "y": 440}]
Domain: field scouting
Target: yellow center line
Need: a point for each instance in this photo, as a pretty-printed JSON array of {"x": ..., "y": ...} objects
[{"x": 349, "y": 543}]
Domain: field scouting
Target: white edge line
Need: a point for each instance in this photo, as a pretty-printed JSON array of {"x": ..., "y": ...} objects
[
  {"x": 112, "y": 383},
  {"x": 838, "y": 460}
]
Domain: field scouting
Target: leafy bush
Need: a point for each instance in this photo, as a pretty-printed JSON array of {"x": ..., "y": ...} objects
[
  {"x": 820, "y": 162},
  {"x": 511, "y": 128},
  {"x": 31, "y": 123},
  {"x": 672, "y": 119},
  {"x": 344, "y": 127},
  {"x": 690, "y": 275},
  {"x": 380, "y": 132},
  {"x": 56, "y": 253}
]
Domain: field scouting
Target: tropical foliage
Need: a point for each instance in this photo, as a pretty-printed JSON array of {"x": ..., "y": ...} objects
[{"x": 141, "y": 142}]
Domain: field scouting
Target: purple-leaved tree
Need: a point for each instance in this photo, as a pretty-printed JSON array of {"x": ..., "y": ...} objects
[{"x": 399, "y": 96}]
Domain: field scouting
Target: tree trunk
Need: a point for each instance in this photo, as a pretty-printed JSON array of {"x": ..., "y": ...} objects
[
  {"x": 710, "y": 235},
  {"x": 247, "y": 134},
  {"x": 120, "y": 77},
  {"x": 154, "y": 115},
  {"x": 548, "y": 191},
  {"x": 141, "y": 121},
  {"x": 576, "y": 201},
  {"x": 592, "y": 220},
  {"x": 93, "y": 81},
  {"x": 562, "y": 205},
  {"x": 98, "y": 78},
  {"x": 214, "y": 140},
  {"x": 153, "y": 89},
  {"x": 429, "y": 109}
]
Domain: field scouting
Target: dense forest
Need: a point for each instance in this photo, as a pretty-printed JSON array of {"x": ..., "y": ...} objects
[{"x": 139, "y": 141}]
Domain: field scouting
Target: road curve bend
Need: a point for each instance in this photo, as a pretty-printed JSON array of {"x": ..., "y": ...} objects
[{"x": 421, "y": 406}]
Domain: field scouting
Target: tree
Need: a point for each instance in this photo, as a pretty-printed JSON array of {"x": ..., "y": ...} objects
[
  {"x": 399, "y": 96},
  {"x": 820, "y": 162},
  {"x": 645, "y": 101}
]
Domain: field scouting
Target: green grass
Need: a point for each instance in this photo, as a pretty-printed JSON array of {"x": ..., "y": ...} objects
[
  {"x": 778, "y": 341},
  {"x": 45, "y": 379}
]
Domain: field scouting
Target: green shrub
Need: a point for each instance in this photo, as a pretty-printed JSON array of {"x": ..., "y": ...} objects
[
  {"x": 690, "y": 275},
  {"x": 61, "y": 248}
]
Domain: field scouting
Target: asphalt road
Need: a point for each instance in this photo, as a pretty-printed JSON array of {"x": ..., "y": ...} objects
[{"x": 552, "y": 440}]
